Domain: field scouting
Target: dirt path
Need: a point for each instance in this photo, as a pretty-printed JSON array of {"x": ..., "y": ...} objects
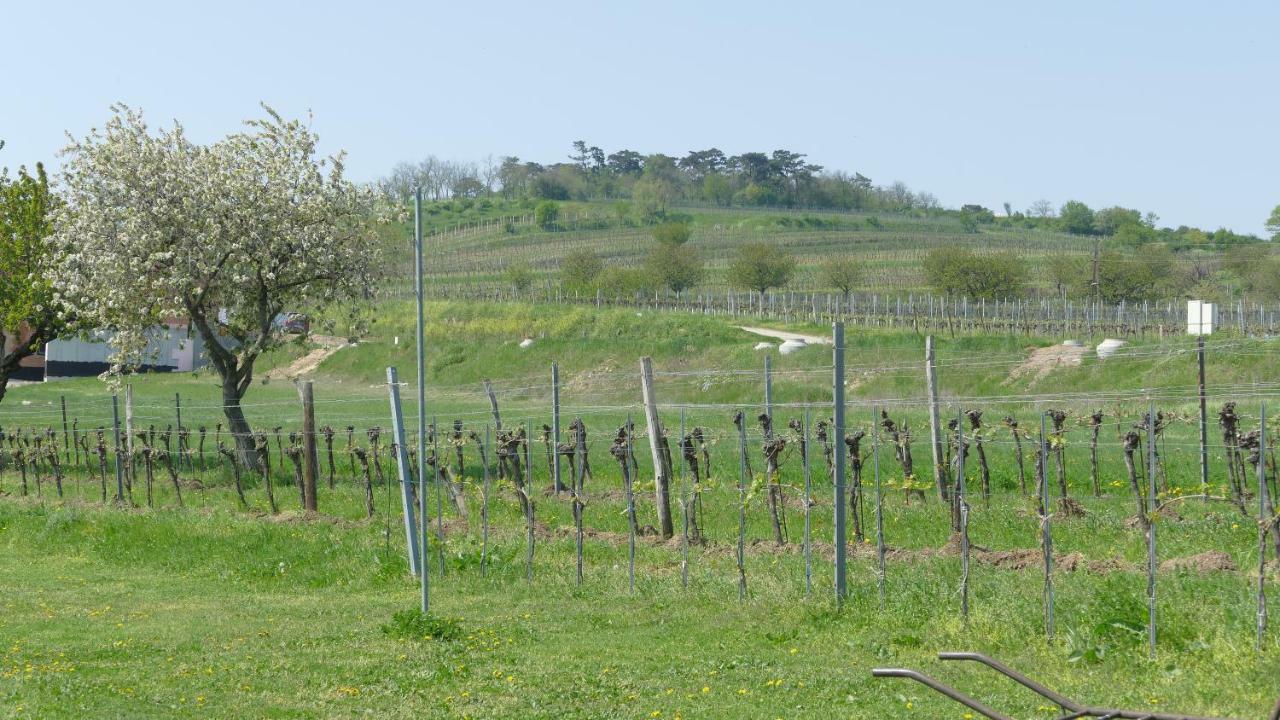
[
  {"x": 327, "y": 345},
  {"x": 784, "y": 335},
  {"x": 1044, "y": 360}
]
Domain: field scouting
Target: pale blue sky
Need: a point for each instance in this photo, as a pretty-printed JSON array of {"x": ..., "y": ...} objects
[{"x": 1167, "y": 106}]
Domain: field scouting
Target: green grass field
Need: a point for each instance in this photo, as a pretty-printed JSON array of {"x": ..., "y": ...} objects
[{"x": 215, "y": 611}]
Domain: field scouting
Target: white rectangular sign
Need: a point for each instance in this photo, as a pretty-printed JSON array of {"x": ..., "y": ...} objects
[{"x": 1200, "y": 317}]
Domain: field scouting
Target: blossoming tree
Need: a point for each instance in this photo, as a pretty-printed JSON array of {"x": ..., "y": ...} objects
[
  {"x": 29, "y": 315},
  {"x": 229, "y": 235}
]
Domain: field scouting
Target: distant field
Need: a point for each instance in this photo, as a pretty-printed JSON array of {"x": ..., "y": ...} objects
[{"x": 891, "y": 248}]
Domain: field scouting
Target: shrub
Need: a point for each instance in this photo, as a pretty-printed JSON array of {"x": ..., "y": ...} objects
[
  {"x": 415, "y": 625},
  {"x": 546, "y": 214},
  {"x": 580, "y": 270},
  {"x": 520, "y": 276},
  {"x": 842, "y": 272},
  {"x": 1122, "y": 276},
  {"x": 623, "y": 281},
  {"x": 671, "y": 233},
  {"x": 960, "y": 271},
  {"x": 758, "y": 266},
  {"x": 674, "y": 266}
]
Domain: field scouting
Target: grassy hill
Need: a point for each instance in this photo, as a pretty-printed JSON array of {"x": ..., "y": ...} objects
[{"x": 890, "y": 246}]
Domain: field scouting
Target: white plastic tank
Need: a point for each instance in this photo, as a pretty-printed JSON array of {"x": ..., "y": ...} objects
[
  {"x": 791, "y": 346},
  {"x": 1109, "y": 347}
]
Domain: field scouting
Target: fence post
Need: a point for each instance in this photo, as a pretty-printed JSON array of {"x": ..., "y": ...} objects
[
  {"x": 115, "y": 423},
  {"x": 402, "y": 463},
  {"x": 439, "y": 480},
  {"x": 837, "y": 398},
  {"x": 880, "y": 549},
  {"x": 1151, "y": 528},
  {"x": 1264, "y": 523},
  {"x": 579, "y": 505},
  {"x": 309, "y": 457},
  {"x": 684, "y": 506},
  {"x": 555, "y": 425},
  {"x": 493, "y": 405},
  {"x": 1204, "y": 421},
  {"x": 128, "y": 432},
  {"x": 963, "y": 502},
  {"x": 660, "y": 470},
  {"x": 177, "y": 411},
  {"x": 768, "y": 384},
  {"x": 742, "y": 506},
  {"x": 66, "y": 441},
  {"x": 935, "y": 429},
  {"x": 808, "y": 493},
  {"x": 1046, "y": 535},
  {"x": 484, "y": 504}
]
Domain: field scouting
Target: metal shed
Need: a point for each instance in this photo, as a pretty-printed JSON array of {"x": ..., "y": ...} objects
[{"x": 169, "y": 349}]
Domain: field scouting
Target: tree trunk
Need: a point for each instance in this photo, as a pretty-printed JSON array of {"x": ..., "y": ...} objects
[{"x": 239, "y": 426}]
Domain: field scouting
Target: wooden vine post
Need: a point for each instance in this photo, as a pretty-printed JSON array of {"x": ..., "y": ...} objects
[
  {"x": 661, "y": 469},
  {"x": 310, "y": 458}
]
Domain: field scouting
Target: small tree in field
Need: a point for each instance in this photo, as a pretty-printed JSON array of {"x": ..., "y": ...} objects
[
  {"x": 520, "y": 276},
  {"x": 229, "y": 234},
  {"x": 546, "y": 214},
  {"x": 580, "y": 271},
  {"x": 842, "y": 273},
  {"x": 677, "y": 267},
  {"x": 671, "y": 233},
  {"x": 29, "y": 313},
  {"x": 759, "y": 267},
  {"x": 960, "y": 271}
]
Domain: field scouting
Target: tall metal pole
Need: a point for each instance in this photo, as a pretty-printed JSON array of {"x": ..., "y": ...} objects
[
  {"x": 837, "y": 400},
  {"x": 555, "y": 424},
  {"x": 422, "y": 389}
]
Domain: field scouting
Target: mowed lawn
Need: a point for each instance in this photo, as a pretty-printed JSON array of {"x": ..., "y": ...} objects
[{"x": 207, "y": 612}]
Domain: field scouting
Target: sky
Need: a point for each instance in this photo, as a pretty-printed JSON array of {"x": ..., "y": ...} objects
[{"x": 1169, "y": 107}]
